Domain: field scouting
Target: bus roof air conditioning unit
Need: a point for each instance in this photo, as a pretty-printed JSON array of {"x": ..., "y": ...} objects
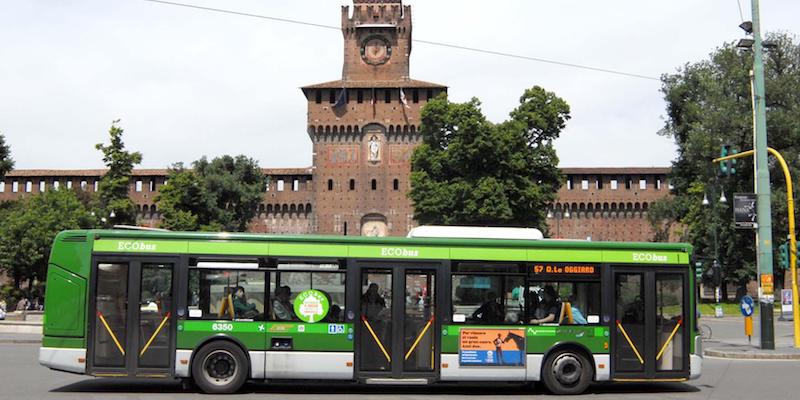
[{"x": 475, "y": 232}]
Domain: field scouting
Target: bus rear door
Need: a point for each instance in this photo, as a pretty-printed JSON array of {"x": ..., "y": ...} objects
[{"x": 650, "y": 324}]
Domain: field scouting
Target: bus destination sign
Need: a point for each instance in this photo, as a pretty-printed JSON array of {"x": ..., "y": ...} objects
[{"x": 585, "y": 270}]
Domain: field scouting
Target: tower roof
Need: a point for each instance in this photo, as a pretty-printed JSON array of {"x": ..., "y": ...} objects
[{"x": 382, "y": 84}]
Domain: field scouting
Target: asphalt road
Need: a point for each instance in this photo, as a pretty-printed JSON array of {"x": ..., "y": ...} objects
[{"x": 21, "y": 377}]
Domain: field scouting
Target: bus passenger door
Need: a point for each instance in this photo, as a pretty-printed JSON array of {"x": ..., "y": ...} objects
[
  {"x": 132, "y": 330},
  {"x": 396, "y": 327},
  {"x": 650, "y": 325}
]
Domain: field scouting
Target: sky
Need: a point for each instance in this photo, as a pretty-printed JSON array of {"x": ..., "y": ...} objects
[{"x": 187, "y": 83}]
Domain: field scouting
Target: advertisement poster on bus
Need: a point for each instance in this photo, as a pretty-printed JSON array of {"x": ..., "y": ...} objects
[{"x": 492, "y": 347}]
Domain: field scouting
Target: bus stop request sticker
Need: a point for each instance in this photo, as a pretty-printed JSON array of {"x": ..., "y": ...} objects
[
  {"x": 311, "y": 306},
  {"x": 492, "y": 347}
]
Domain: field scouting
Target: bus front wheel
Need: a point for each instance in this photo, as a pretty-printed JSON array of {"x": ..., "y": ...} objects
[
  {"x": 567, "y": 371},
  {"x": 220, "y": 367}
]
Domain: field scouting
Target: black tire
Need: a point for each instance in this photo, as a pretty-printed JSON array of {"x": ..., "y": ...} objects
[
  {"x": 567, "y": 372},
  {"x": 220, "y": 367}
]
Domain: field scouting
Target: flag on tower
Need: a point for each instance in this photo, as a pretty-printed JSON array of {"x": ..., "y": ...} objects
[
  {"x": 403, "y": 98},
  {"x": 372, "y": 102},
  {"x": 342, "y": 99}
]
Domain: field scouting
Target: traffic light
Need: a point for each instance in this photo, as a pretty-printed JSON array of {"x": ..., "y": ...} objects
[
  {"x": 723, "y": 165},
  {"x": 727, "y": 167},
  {"x": 717, "y": 273},
  {"x": 698, "y": 271},
  {"x": 783, "y": 252}
]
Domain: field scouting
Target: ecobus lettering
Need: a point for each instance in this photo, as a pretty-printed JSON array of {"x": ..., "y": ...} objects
[
  {"x": 137, "y": 246},
  {"x": 649, "y": 257},
  {"x": 398, "y": 252}
]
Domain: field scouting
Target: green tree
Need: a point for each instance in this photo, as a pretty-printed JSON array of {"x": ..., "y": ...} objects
[
  {"x": 113, "y": 188},
  {"x": 470, "y": 171},
  {"x": 6, "y": 162},
  {"x": 708, "y": 106},
  {"x": 28, "y": 227},
  {"x": 217, "y": 195}
]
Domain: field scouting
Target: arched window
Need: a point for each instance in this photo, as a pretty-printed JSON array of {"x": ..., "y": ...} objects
[
  {"x": 330, "y": 184},
  {"x": 374, "y": 184},
  {"x": 396, "y": 184},
  {"x": 352, "y": 184}
]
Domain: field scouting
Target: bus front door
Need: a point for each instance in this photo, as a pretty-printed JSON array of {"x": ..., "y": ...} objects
[
  {"x": 396, "y": 327},
  {"x": 132, "y": 330},
  {"x": 651, "y": 329}
]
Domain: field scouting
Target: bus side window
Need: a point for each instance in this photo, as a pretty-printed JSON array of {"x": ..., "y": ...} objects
[
  {"x": 226, "y": 294},
  {"x": 292, "y": 278},
  {"x": 575, "y": 303},
  {"x": 487, "y": 294}
]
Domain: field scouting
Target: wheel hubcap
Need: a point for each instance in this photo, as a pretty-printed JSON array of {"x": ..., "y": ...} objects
[
  {"x": 219, "y": 367},
  {"x": 567, "y": 369}
]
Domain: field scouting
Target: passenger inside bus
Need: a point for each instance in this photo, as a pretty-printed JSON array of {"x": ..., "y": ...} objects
[
  {"x": 549, "y": 307},
  {"x": 491, "y": 311},
  {"x": 576, "y": 315},
  {"x": 281, "y": 306},
  {"x": 372, "y": 303},
  {"x": 241, "y": 307}
]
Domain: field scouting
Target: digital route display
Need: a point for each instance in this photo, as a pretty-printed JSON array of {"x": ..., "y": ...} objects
[{"x": 583, "y": 270}]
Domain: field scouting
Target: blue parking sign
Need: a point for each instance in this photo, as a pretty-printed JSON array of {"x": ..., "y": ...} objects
[{"x": 746, "y": 306}]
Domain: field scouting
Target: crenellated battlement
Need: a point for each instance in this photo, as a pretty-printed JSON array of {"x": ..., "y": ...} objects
[{"x": 376, "y": 12}]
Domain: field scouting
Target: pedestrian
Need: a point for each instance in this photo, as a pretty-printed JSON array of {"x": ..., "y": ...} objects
[{"x": 22, "y": 305}]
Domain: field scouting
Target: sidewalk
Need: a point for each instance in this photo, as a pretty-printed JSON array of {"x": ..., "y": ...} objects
[
  {"x": 21, "y": 327},
  {"x": 728, "y": 340},
  {"x": 20, "y": 338}
]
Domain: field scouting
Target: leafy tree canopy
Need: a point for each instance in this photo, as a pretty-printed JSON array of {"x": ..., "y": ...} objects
[
  {"x": 709, "y": 105},
  {"x": 470, "y": 171},
  {"x": 217, "y": 195},
  {"x": 6, "y": 162},
  {"x": 28, "y": 227},
  {"x": 113, "y": 188}
]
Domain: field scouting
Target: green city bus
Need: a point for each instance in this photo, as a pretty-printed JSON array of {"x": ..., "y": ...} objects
[{"x": 222, "y": 308}]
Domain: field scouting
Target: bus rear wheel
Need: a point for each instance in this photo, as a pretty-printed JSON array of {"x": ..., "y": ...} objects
[
  {"x": 567, "y": 372},
  {"x": 220, "y": 367}
]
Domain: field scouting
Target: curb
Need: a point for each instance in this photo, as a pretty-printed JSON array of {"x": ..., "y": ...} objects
[
  {"x": 747, "y": 355},
  {"x": 20, "y": 341}
]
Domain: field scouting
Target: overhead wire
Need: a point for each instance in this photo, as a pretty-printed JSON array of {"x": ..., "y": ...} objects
[
  {"x": 428, "y": 42},
  {"x": 741, "y": 14}
]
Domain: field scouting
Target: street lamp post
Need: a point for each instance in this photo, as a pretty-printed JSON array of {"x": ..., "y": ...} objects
[{"x": 715, "y": 268}]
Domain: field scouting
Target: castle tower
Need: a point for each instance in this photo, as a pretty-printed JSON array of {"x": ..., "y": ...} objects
[{"x": 365, "y": 125}]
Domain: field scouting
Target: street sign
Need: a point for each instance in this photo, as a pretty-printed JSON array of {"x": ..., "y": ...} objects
[
  {"x": 744, "y": 210},
  {"x": 746, "y": 306}
]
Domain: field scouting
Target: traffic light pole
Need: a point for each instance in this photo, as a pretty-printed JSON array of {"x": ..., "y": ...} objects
[{"x": 792, "y": 235}]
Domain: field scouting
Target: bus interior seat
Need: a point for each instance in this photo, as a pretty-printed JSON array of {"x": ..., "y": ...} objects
[
  {"x": 226, "y": 305},
  {"x": 565, "y": 316}
]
